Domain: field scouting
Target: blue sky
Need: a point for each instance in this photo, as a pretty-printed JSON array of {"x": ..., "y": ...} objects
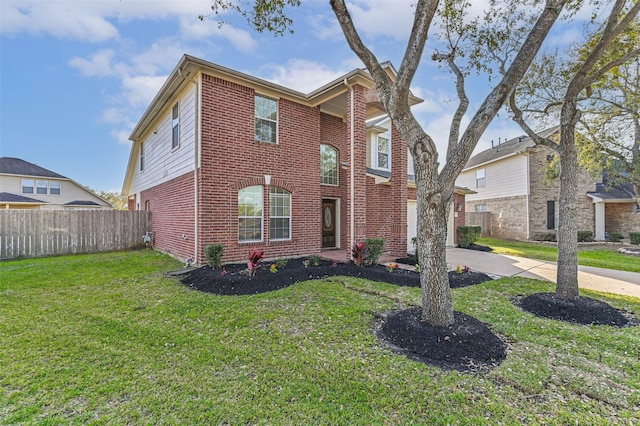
[{"x": 76, "y": 75}]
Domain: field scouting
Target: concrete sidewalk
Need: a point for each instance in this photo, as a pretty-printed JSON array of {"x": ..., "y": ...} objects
[{"x": 599, "y": 279}]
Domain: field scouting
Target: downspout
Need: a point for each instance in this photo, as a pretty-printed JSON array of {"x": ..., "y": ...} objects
[
  {"x": 196, "y": 163},
  {"x": 352, "y": 218}
]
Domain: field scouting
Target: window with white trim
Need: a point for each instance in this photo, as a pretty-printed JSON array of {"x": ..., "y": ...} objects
[
  {"x": 175, "y": 126},
  {"x": 480, "y": 178},
  {"x": 55, "y": 187},
  {"x": 266, "y": 111},
  {"x": 280, "y": 214},
  {"x": 250, "y": 214},
  {"x": 27, "y": 186},
  {"x": 481, "y": 208},
  {"x": 382, "y": 153},
  {"x": 42, "y": 187},
  {"x": 328, "y": 165}
]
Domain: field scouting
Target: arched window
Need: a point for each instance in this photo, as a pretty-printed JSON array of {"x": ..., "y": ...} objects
[
  {"x": 250, "y": 214},
  {"x": 280, "y": 214},
  {"x": 328, "y": 165}
]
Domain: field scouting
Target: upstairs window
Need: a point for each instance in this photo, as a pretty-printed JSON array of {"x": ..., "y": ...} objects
[
  {"x": 480, "y": 178},
  {"x": 27, "y": 186},
  {"x": 382, "y": 153},
  {"x": 55, "y": 187},
  {"x": 266, "y": 119},
  {"x": 175, "y": 126},
  {"x": 250, "y": 214},
  {"x": 141, "y": 156},
  {"x": 328, "y": 165},
  {"x": 280, "y": 214},
  {"x": 42, "y": 187}
]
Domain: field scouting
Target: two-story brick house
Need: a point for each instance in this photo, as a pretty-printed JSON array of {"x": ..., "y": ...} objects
[
  {"x": 222, "y": 157},
  {"x": 513, "y": 185}
]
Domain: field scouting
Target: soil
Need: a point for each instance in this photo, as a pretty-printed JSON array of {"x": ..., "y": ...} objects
[{"x": 583, "y": 310}]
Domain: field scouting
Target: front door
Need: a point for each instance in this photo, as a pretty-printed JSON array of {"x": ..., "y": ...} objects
[{"x": 328, "y": 223}]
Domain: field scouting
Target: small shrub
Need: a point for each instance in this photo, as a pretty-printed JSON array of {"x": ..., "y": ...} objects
[
  {"x": 468, "y": 235},
  {"x": 255, "y": 256},
  {"x": 635, "y": 237},
  {"x": 545, "y": 236},
  {"x": 614, "y": 237},
  {"x": 213, "y": 254},
  {"x": 392, "y": 267},
  {"x": 375, "y": 246},
  {"x": 314, "y": 260},
  {"x": 359, "y": 253},
  {"x": 281, "y": 263},
  {"x": 585, "y": 236}
]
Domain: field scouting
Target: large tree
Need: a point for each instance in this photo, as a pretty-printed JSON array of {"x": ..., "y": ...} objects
[
  {"x": 575, "y": 80},
  {"x": 435, "y": 184}
]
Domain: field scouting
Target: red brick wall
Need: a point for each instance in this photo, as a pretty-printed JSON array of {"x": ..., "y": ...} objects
[
  {"x": 232, "y": 160},
  {"x": 172, "y": 204}
]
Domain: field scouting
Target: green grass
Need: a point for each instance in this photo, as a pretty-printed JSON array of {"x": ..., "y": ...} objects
[
  {"x": 106, "y": 338},
  {"x": 599, "y": 257}
]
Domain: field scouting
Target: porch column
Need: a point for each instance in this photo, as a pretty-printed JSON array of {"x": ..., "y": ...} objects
[{"x": 600, "y": 221}]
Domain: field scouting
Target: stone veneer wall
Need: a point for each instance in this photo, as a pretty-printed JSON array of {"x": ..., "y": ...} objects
[
  {"x": 543, "y": 190},
  {"x": 621, "y": 218}
]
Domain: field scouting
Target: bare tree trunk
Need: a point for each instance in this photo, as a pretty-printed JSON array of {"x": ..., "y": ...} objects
[
  {"x": 433, "y": 208},
  {"x": 567, "y": 278}
]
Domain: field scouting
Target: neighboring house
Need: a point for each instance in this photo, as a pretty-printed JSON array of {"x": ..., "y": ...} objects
[
  {"x": 222, "y": 157},
  {"x": 512, "y": 185},
  {"x": 24, "y": 185}
]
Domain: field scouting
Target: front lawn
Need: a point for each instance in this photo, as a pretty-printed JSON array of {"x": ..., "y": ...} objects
[
  {"x": 599, "y": 257},
  {"x": 106, "y": 338}
]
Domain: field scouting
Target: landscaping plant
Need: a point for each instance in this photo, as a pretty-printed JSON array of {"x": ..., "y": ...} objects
[
  {"x": 255, "y": 256},
  {"x": 375, "y": 247},
  {"x": 360, "y": 253},
  {"x": 213, "y": 254},
  {"x": 468, "y": 235}
]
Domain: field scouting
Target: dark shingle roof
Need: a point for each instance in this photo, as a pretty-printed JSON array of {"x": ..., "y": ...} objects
[
  {"x": 16, "y": 166},
  {"x": 7, "y": 197},
  {"x": 510, "y": 147},
  {"x": 618, "y": 191},
  {"x": 81, "y": 203}
]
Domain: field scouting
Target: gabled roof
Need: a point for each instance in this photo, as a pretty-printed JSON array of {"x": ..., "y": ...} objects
[
  {"x": 511, "y": 147},
  {"x": 7, "y": 197},
  {"x": 17, "y": 166}
]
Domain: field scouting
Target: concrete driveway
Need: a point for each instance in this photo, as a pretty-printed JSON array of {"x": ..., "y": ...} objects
[{"x": 599, "y": 279}]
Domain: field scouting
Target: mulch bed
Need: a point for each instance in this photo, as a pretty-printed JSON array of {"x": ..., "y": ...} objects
[
  {"x": 583, "y": 310},
  {"x": 235, "y": 281},
  {"x": 468, "y": 345}
]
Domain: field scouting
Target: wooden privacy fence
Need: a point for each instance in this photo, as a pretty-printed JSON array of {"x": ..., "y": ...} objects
[
  {"x": 482, "y": 219},
  {"x": 34, "y": 233}
]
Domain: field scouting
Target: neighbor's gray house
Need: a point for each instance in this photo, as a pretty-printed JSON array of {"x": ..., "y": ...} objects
[
  {"x": 24, "y": 185},
  {"x": 511, "y": 184}
]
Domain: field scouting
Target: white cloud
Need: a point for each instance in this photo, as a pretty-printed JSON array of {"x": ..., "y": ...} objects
[
  {"x": 207, "y": 29},
  {"x": 301, "y": 75},
  {"x": 99, "y": 64},
  {"x": 139, "y": 91}
]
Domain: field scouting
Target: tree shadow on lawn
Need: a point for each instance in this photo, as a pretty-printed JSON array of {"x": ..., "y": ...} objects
[{"x": 468, "y": 345}]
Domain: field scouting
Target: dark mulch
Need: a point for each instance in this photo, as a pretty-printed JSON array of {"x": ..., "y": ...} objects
[
  {"x": 467, "y": 345},
  {"x": 583, "y": 310},
  {"x": 478, "y": 247},
  {"x": 235, "y": 281}
]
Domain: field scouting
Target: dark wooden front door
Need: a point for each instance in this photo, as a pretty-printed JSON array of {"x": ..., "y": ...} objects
[{"x": 328, "y": 223}]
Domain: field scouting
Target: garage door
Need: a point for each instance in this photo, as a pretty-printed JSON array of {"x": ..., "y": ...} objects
[{"x": 412, "y": 223}]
